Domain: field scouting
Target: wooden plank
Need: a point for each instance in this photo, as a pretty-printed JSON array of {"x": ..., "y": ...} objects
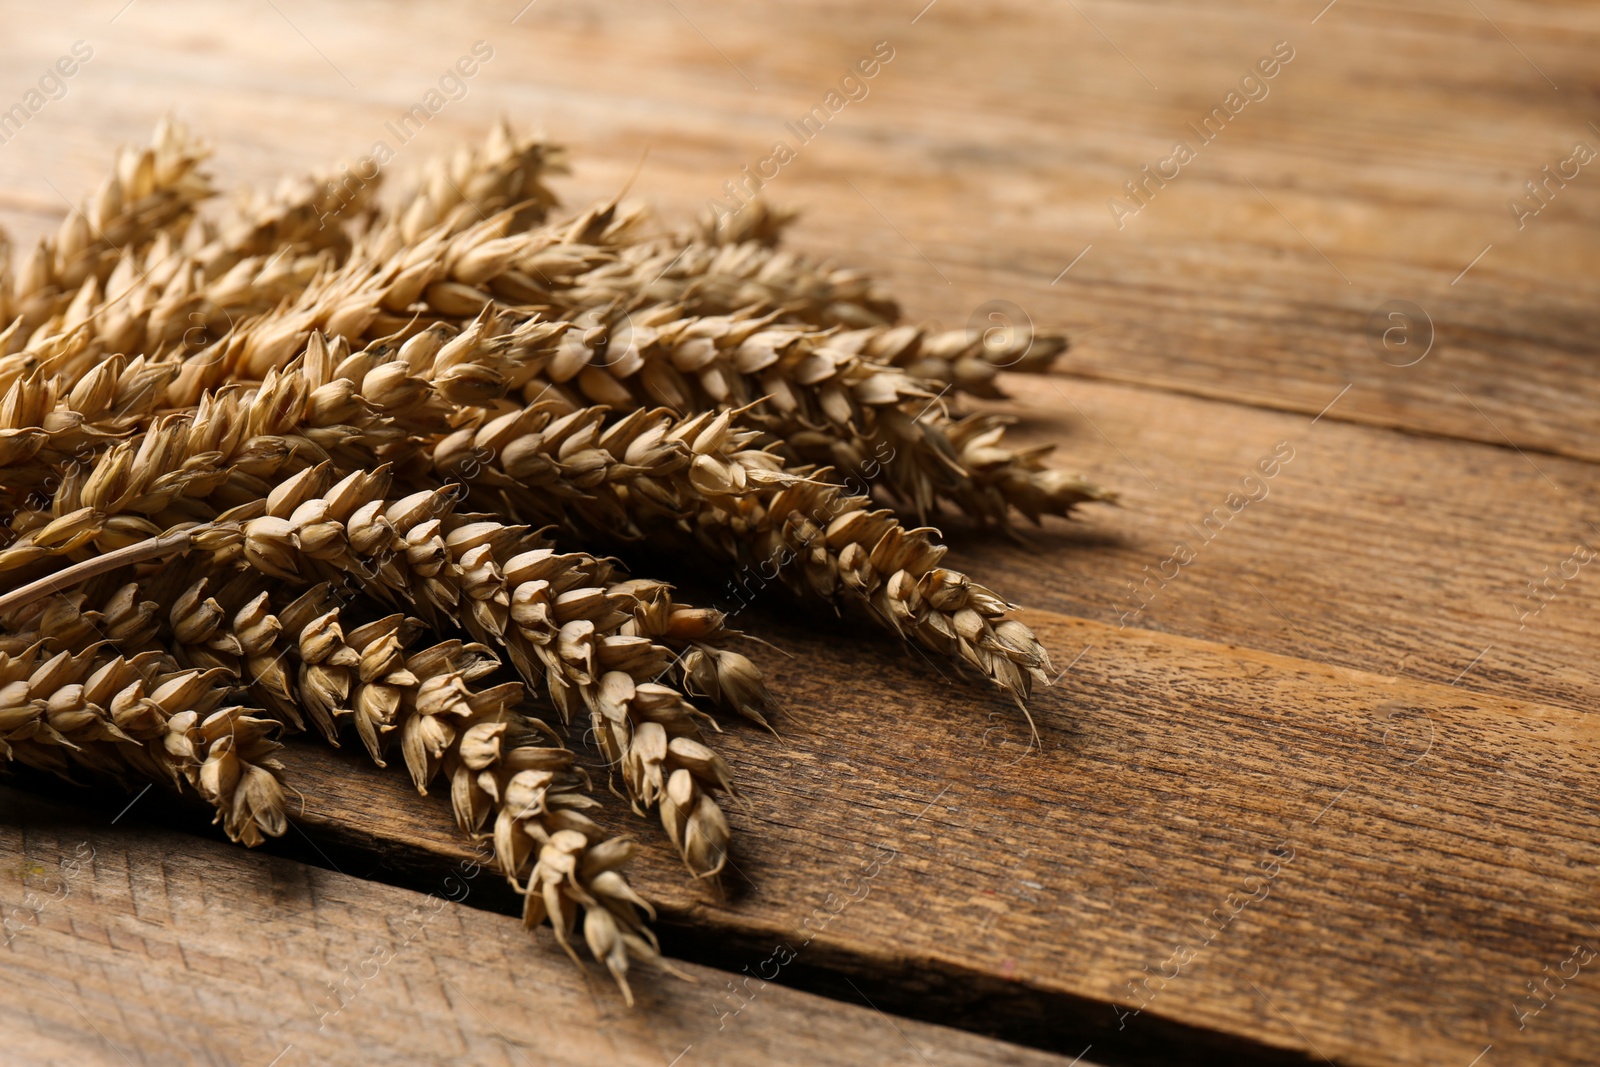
[
  {"x": 1398, "y": 554},
  {"x": 1027, "y": 897},
  {"x": 1377, "y": 167},
  {"x": 155, "y": 947},
  {"x": 1403, "y": 857}
]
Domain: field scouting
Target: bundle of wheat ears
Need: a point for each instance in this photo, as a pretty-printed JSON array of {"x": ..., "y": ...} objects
[{"x": 321, "y": 465}]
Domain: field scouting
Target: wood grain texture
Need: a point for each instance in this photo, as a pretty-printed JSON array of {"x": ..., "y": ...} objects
[
  {"x": 1398, "y": 554},
  {"x": 131, "y": 951},
  {"x": 1436, "y": 850},
  {"x": 1355, "y": 638}
]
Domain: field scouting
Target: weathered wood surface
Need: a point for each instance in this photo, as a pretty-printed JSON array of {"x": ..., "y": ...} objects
[
  {"x": 1309, "y": 648},
  {"x": 1438, "y": 848},
  {"x": 1398, "y": 554},
  {"x": 131, "y": 949}
]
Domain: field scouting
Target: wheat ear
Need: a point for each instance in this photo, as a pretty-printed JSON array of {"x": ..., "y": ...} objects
[{"x": 121, "y": 716}]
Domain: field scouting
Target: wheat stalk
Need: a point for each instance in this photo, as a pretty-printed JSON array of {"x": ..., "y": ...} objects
[{"x": 284, "y": 459}]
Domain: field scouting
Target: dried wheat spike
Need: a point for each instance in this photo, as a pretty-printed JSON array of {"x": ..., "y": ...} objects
[
  {"x": 864, "y": 419},
  {"x": 228, "y": 449},
  {"x": 134, "y": 716},
  {"x": 534, "y": 803},
  {"x": 529, "y": 793},
  {"x": 304, "y": 215},
  {"x": 669, "y": 480},
  {"x": 278, "y": 246},
  {"x": 553, "y": 853},
  {"x": 542, "y": 836},
  {"x": 149, "y": 191},
  {"x": 759, "y": 223},
  {"x": 545, "y": 609},
  {"x": 507, "y": 172},
  {"x": 731, "y": 264}
]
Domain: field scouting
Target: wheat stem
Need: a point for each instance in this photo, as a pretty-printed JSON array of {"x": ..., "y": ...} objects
[{"x": 172, "y": 543}]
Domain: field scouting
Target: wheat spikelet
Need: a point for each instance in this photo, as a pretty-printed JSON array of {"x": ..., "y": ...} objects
[{"x": 507, "y": 172}]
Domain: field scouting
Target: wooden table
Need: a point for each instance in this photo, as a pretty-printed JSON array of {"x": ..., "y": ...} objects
[{"x": 1329, "y": 794}]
